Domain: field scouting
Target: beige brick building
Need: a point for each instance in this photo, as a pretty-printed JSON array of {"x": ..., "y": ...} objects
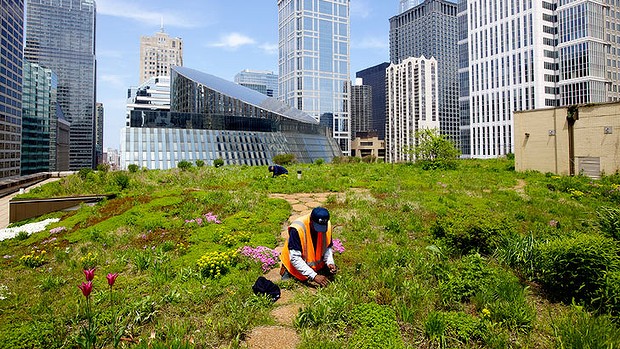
[
  {"x": 569, "y": 140},
  {"x": 158, "y": 53}
]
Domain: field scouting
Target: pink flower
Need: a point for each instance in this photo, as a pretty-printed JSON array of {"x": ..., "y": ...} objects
[
  {"x": 89, "y": 274},
  {"x": 111, "y": 278},
  {"x": 337, "y": 246},
  {"x": 87, "y": 288}
]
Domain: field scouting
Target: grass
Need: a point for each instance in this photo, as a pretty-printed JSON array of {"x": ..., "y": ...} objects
[{"x": 440, "y": 259}]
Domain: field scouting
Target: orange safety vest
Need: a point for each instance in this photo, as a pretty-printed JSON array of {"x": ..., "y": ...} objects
[{"x": 313, "y": 256}]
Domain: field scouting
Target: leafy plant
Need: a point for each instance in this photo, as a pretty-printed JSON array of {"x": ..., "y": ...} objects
[
  {"x": 215, "y": 264},
  {"x": 579, "y": 329},
  {"x": 609, "y": 221},
  {"x": 184, "y": 165},
  {"x": 200, "y": 163},
  {"x": 219, "y": 162},
  {"x": 284, "y": 159},
  {"x": 133, "y": 168},
  {"x": 435, "y": 151},
  {"x": 375, "y": 327}
]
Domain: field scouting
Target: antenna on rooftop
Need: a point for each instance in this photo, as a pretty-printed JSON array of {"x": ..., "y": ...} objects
[{"x": 162, "y": 24}]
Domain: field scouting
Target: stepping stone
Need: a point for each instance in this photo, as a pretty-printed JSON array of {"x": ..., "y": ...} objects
[
  {"x": 272, "y": 337},
  {"x": 285, "y": 314}
]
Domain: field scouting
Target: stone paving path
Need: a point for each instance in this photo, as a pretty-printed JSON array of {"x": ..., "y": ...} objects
[{"x": 283, "y": 335}]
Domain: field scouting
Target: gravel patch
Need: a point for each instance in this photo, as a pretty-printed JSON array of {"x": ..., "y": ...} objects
[{"x": 8, "y": 233}]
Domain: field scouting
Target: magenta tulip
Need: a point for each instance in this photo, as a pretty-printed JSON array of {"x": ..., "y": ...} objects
[
  {"x": 89, "y": 274},
  {"x": 87, "y": 288},
  {"x": 111, "y": 278}
]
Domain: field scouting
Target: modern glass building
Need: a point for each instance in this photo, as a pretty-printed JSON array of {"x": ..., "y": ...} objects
[
  {"x": 430, "y": 29},
  {"x": 412, "y": 105},
  {"x": 263, "y": 81},
  {"x": 212, "y": 118},
  {"x": 99, "y": 117},
  {"x": 60, "y": 36},
  {"x": 375, "y": 78},
  {"x": 314, "y": 61},
  {"x": 11, "y": 53},
  {"x": 38, "y": 119}
]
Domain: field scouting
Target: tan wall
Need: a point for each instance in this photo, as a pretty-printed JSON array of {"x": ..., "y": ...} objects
[{"x": 544, "y": 152}]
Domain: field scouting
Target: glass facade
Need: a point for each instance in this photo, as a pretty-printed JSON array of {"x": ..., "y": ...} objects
[
  {"x": 430, "y": 29},
  {"x": 375, "y": 78},
  {"x": 361, "y": 109},
  {"x": 60, "y": 36},
  {"x": 314, "y": 61},
  {"x": 11, "y": 53},
  {"x": 212, "y": 118},
  {"x": 265, "y": 82},
  {"x": 39, "y": 120}
]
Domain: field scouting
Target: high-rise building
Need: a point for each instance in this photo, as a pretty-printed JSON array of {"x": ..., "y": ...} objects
[
  {"x": 39, "y": 119},
  {"x": 429, "y": 29},
  {"x": 407, "y": 4},
  {"x": 314, "y": 61},
  {"x": 99, "y": 115},
  {"x": 412, "y": 101},
  {"x": 263, "y": 81},
  {"x": 375, "y": 78},
  {"x": 158, "y": 53},
  {"x": 12, "y": 20},
  {"x": 464, "y": 102},
  {"x": 60, "y": 36},
  {"x": 529, "y": 55},
  {"x": 361, "y": 108}
]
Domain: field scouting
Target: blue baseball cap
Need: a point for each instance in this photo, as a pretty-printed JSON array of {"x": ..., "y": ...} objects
[{"x": 319, "y": 218}]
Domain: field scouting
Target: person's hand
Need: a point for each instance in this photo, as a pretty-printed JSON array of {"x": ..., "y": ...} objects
[
  {"x": 332, "y": 268},
  {"x": 321, "y": 280}
]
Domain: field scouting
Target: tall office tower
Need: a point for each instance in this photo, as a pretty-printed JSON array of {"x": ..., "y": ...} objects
[
  {"x": 158, "y": 53},
  {"x": 39, "y": 119},
  {"x": 375, "y": 78},
  {"x": 464, "y": 101},
  {"x": 12, "y": 20},
  {"x": 412, "y": 103},
  {"x": 263, "y": 81},
  {"x": 430, "y": 30},
  {"x": 99, "y": 115},
  {"x": 361, "y": 108},
  {"x": 539, "y": 54},
  {"x": 60, "y": 36},
  {"x": 314, "y": 61}
]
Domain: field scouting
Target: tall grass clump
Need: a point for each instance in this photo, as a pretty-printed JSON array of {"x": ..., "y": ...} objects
[
  {"x": 609, "y": 221},
  {"x": 580, "y": 329}
]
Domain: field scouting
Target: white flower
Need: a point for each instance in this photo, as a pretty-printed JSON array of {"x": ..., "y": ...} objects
[{"x": 4, "y": 292}]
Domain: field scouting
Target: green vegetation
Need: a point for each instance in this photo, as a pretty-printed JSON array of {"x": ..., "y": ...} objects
[
  {"x": 476, "y": 256},
  {"x": 284, "y": 159}
]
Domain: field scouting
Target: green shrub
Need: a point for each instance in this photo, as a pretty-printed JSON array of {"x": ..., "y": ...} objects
[
  {"x": 575, "y": 267},
  {"x": 516, "y": 251},
  {"x": 219, "y": 162},
  {"x": 121, "y": 179},
  {"x": 284, "y": 159},
  {"x": 609, "y": 221},
  {"x": 184, "y": 165},
  {"x": 103, "y": 167},
  {"x": 200, "y": 163},
  {"x": 610, "y": 293},
  {"x": 471, "y": 231},
  {"x": 443, "y": 326},
  {"x": 319, "y": 162},
  {"x": 133, "y": 168},
  {"x": 84, "y": 172},
  {"x": 460, "y": 280}
]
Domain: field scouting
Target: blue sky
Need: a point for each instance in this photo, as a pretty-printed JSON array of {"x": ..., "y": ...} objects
[{"x": 220, "y": 37}]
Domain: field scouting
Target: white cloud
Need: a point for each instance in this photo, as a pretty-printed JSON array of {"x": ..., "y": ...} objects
[
  {"x": 371, "y": 43},
  {"x": 360, "y": 8},
  {"x": 114, "y": 80},
  {"x": 233, "y": 41},
  {"x": 269, "y": 48},
  {"x": 134, "y": 11}
]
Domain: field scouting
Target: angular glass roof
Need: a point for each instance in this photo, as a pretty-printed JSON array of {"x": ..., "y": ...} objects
[{"x": 244, "y": 94}]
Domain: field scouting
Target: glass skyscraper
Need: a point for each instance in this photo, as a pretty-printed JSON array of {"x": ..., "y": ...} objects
[
  {"x": 12, "y": 20},
  {"x": 265, "y": 82},
  {"x": 361, "y": 108},
  {"x": 430, "y": 29},
  {"x": 60, "y": 35},
  {"x": 39, "y": 120},
  {"x": 314, "y": 61},
  {"x": 375, "y": 78}
]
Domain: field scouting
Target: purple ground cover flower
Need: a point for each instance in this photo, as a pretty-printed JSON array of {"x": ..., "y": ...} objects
[
  {"x": 266, "y": 256},
  {"x": 337, "y": 246},
  {"x": 57, "y": 230}
]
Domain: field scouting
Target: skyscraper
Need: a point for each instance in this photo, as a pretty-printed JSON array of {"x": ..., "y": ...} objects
[
  {"x": 361, "y": 108},
  {"x": 429, "y": 29},
  {"x": 39, "y": 120},
  {"x": 158, "y": 53},
  {"x": 12, "y": 20},
  {"x": 60, "y": 36},
  {"x": 314, "y": 61},
  {"x": 265, "y": 82},
  {"x": 528, "y": 55},
  {"x": 412, "y": 105},
  {"x": 375, "y": 78},
  {"x": 99, "y": 117},
  {"x": 407, "y": 4}
]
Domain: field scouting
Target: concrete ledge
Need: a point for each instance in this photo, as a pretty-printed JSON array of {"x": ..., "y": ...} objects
[{"x": 21, "y": 209}]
